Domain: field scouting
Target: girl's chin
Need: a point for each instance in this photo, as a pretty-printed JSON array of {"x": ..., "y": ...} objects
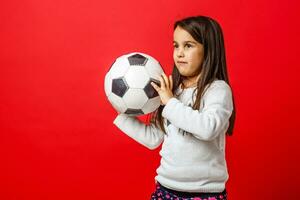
[{"x": 183, "y": 72}]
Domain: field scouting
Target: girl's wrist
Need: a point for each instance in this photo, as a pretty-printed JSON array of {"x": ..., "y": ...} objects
[{"x": 168, "y": 100}]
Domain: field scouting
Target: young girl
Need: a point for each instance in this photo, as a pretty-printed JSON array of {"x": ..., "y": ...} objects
[{"x": 196, "y": 112}]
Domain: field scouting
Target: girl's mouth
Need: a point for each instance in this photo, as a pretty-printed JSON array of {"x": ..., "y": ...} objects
[{"x": 181, "y": 63}]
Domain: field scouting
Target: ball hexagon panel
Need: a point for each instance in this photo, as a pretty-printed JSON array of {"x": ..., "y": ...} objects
[
  {"x": 119, "y": 68},
  {"x": 117, "y": 102},
  {"x": 135, "y": 98},
  {"x": 119, "y": 86},
  {"x": 151, "y": 105},
  {"x": 137, "y": 77},
  {"x": 154, "y": 69}
]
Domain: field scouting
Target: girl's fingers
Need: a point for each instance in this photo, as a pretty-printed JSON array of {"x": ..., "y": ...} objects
[
  {"x": 162, "y": 83},
  {"x": 166, "y": 80},
  {"x": 171, "y": 82},
  {"x": 155, "y": 86}
]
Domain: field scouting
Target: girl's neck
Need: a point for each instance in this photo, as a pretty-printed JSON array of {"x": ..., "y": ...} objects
[
  {"x": 189, "y": 82},
  {"x": 184, "y": 85}
]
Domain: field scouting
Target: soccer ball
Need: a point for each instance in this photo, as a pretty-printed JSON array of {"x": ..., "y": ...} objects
[{"x": 127, "y": 84}]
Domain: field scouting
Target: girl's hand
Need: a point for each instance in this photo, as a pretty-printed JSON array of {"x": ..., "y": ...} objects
[{"x": 165, "y": 91}]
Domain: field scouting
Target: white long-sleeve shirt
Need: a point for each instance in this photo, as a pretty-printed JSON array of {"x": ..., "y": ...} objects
[{"x": 193, "y": 161}]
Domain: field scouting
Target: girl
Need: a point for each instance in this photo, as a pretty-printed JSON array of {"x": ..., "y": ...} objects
[{"x": 196, "y": 112}]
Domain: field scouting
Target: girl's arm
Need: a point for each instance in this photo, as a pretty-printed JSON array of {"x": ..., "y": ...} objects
[
  {"x": 147, "y": 135},
  {"x": 210, "y": 121}
]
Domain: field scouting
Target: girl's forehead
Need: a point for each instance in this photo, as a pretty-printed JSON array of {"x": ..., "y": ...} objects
[{"x": 181, "y": 35}]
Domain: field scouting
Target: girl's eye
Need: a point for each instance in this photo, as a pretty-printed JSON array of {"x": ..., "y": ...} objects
[
  {"x": 185, "y": 46},
  {"x": 188, "y": 45}
]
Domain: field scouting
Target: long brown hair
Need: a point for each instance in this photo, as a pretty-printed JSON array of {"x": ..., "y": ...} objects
[{"x": 208, "y": 32}]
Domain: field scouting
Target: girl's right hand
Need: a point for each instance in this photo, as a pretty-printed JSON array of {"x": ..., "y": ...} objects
[{"x": 165, "y": 91}]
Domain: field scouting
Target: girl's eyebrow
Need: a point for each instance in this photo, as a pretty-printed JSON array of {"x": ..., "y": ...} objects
[{"x": 186, "y": 42}]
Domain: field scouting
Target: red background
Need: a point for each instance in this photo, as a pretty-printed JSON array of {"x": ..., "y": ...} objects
[{"x": 57, "y": 140}]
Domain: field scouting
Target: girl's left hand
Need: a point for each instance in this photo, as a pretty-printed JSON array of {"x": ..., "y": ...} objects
[{"x": 165, "y": 89}]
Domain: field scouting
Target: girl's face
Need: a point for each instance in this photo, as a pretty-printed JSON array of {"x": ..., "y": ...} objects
[{"x": 188, "y": 54}]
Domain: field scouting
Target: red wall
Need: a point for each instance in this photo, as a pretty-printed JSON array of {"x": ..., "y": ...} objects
[{"x": 57, "y": 140}]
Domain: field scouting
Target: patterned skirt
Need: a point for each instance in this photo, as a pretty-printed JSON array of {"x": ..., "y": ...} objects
[{"x": 162, "y": 193}]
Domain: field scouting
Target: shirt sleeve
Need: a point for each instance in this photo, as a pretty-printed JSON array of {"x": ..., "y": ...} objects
[
  {"x": 148, "y": 135},
  {"x": 210, "y": 121}
]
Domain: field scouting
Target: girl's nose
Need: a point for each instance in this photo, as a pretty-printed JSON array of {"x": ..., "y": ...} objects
[{"x": 180, "y": 52}]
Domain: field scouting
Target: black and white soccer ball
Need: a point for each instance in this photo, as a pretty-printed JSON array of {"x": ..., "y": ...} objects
[{"x": 127, "y": 84}]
